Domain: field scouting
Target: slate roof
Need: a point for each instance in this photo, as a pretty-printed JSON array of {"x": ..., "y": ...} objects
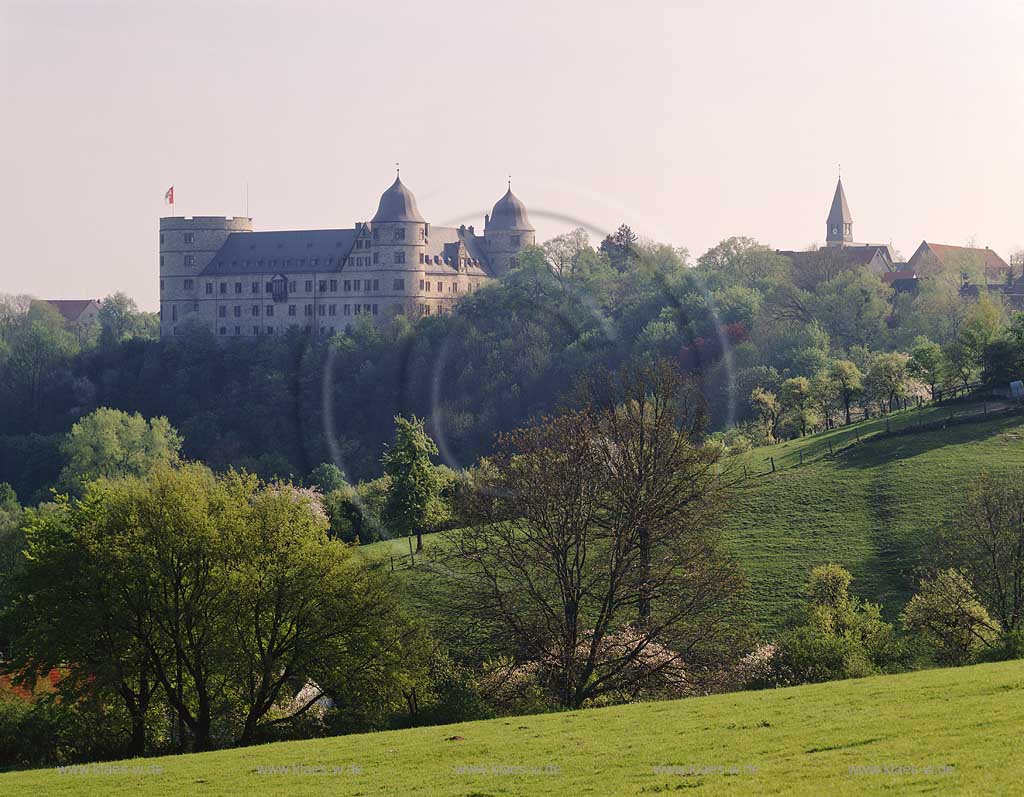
[
  {"x": 287, "y": 251},
  {"x": 509, "y": 213},
  {"x": 398, "y": 204},
  {"x": 840, "y": 211}
]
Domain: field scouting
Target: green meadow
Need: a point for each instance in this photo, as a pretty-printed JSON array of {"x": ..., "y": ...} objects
[{"x": 950, "y": 731}]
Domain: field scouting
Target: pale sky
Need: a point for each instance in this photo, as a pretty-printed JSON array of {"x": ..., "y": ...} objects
[{"x": 691, "y": 121}]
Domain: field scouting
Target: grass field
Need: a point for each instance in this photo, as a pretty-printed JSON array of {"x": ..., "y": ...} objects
[
  {"x": 871, "y": 506},
  {"x": 953, "y": 731}
]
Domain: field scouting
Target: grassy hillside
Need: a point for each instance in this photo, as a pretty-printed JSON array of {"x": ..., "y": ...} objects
[
  {"x": 871, "y": 505},
  {"x": 940, "y": 731}
]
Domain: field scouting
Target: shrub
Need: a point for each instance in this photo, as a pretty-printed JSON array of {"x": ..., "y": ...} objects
[{"x": 946, "y": 616}]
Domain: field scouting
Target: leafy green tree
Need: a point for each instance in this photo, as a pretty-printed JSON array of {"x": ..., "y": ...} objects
[
  {"x": 327, "y": 477},
  {"x": 766, "y": 404},
  {"x": 849, "y": 383},
  {"x": 853, "y": 307},
  {"x": 413, "y": 499},
  {"x": 117, "y": 317},
  {"x": 621, "y": 248},
  {"x": 795, "y": 397},
  {"x": 928, "y": 363},
  {"x": 38, "y": 347},
  {"x": 886, "y": 380},
  {"x": 109, "y": 443},
  {"x": 947, "y": 617},
  {"x": 839, "y": 635},
  {"x": 985, "y": 542}
]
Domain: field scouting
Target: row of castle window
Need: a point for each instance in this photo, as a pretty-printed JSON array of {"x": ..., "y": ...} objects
[
  {"x": 398, "y": 259},
  {"x": 293, "y": 310}
]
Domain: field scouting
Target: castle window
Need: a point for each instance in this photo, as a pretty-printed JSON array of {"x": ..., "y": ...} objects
[
  {"x": 359, "y": 309},
  {"x": 309, "y": 286},
  {"x": 291, "y": 286},
  {"x": 255, "y": 330},
  {"x": 376, "y": 258},
  {"x": 455, "y": 287},
  {"x": 255, "y": 287},
  {"x": 209, "y": 288},
  {"x": 223, "y": 330},
  {"x": 174, "y": 312},
  {"x": 222, "y": 312},
  {"x": 161, "y": 284},
  {"x": 399, "y": 257},
  {"x": 238, "y": 311},
  {"x": 347, "y": 310},
  {"x": 291, "y": 309},
  {"x": 375, "y": 309},
  {"x": 238, "y": 330},
  {"x": 238, "y": 287},
  {"x": 398, "y": 285},
  {"x": 270, "y": 309},
  {"x": 376, "y": 285},
  {"x": 357, "y": 285},
  {"x": 322, "y": 309},
  {"x": 308, "y": 310},
  {"x": 359, "y": 244},
  {"x": 376, "y": 234},
  {"x": 323, "y": 286},
  {"x": 347, "y": 285},
  {"x": 400, "y": 234},
  {"x": 440, "y": 287},
  {"x": 190, "y": 237},
  {"x": 421, "y": 285},
  {"x": 428, "y": 286},
  {"x": 188, "y": 285},
  {"x": 334, "y": 286},
  {"x": 332, "y": 309},
  {"x": 270, "y": 287},
  {"x": 255, "y": 310},
  {"x": 514, "y": 240},
  {"x": 315, "y": 261},
  {"x": 399, "y": 310},
  {"x": 161, "y": 260},
  {"x": 223, "y": 287},
  {"x": 190, "y": 260},
  {"x": 270, "y": 330}
]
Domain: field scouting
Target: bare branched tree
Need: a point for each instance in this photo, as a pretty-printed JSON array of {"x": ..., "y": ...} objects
[{"x": 592, "y": 542}]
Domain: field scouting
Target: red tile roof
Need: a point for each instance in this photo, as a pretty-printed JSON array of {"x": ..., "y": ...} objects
[{"x": 958, "y": 256}]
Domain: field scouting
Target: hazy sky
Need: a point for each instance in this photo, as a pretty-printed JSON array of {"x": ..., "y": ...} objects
[{"x": 691, "y": 121}]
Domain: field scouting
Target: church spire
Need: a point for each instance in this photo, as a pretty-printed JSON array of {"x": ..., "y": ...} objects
[{"x": 839, "y": 225}]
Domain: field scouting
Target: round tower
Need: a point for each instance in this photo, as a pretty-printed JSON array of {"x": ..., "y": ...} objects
[
  {"x": 399, "y": 237},
  {"x": 506, "y": 231},
  {"x": 187, "y": 245}
]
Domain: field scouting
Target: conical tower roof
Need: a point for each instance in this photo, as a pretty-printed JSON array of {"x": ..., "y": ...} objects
[
  {"x": 840, "y": 211},
  {"x": 509, "y": 213},
  {"x": 398, "y": 204}
]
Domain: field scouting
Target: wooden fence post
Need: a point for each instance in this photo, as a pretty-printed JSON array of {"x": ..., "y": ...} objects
[
  {"x": 801, "y": 457},
  {"x": 830, "y": 448},
  {"x": 392, "y": 564},
  {"x": 773, "y": 463}
]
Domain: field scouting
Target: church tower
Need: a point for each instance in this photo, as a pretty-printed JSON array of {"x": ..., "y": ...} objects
[{"x": 839, "y": 225}]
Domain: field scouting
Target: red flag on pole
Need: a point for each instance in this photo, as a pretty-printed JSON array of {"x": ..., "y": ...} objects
[{"x": 169, "y": 196}]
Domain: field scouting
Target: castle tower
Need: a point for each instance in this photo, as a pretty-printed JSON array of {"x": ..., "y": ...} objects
[
  {"x": 187, "y": 245},
  {"x": 399, "y": 238},
  {"x": 506, "y": 231},
  {"x": 839, "y": 225}
]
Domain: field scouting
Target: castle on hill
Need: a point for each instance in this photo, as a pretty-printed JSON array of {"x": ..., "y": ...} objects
[{"x": 219, "y": 273}]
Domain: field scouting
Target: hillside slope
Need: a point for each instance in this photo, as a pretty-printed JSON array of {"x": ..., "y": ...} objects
[
  {"x": 871, "y": 506},
  {"x": 945, "y": 731}
]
